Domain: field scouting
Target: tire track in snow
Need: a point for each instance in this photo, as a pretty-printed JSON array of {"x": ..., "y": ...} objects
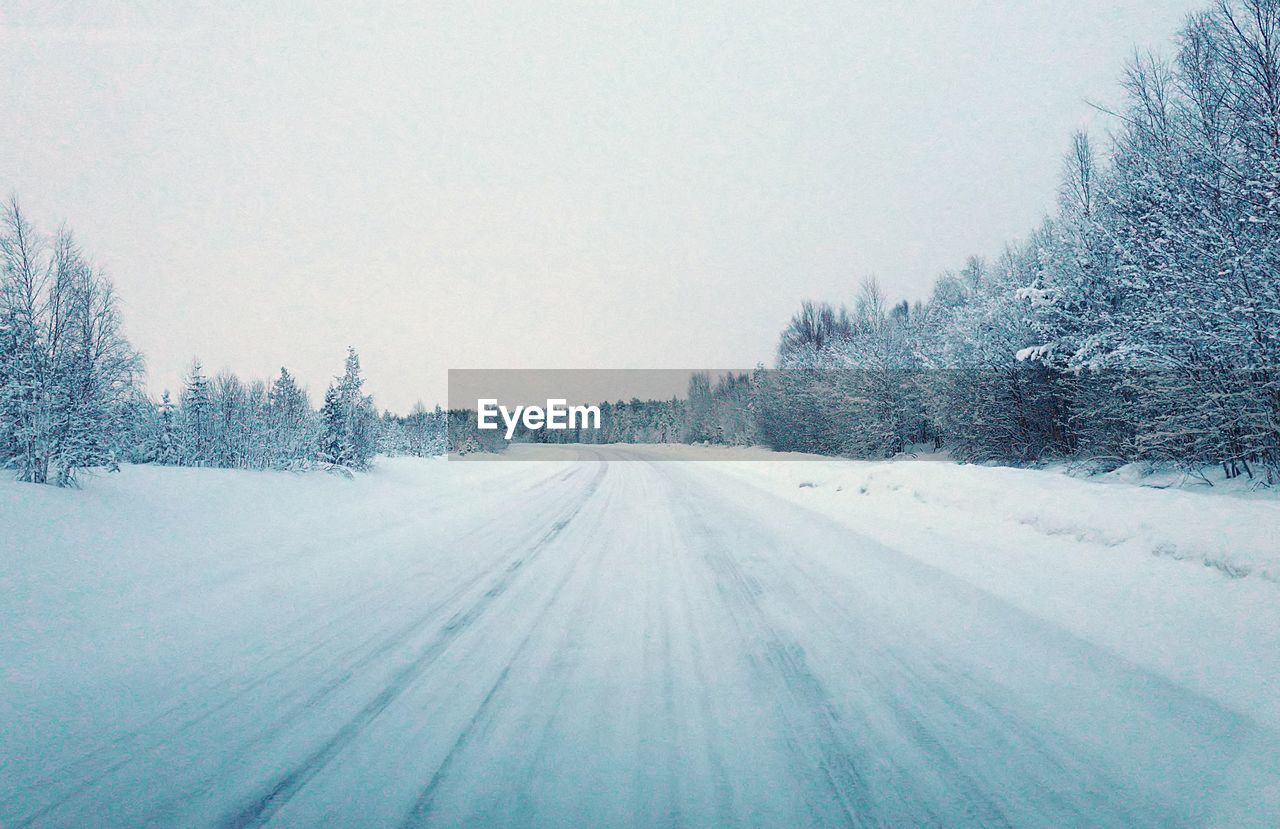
[
  {"x": 810, "y": 711},
  {"x": 790, "y": 659},
  {"x": 724, "y": 800},
  {"x": 950, "y": 718},
  {"x": 146, "y": 729},
  {"x": 278, "y": 793},
  {"x": 419, "y": 814},
  {"x": 811, "y": 718},
  {"x": 147, "y": 737},
  {"x": 871, "y": 806}
]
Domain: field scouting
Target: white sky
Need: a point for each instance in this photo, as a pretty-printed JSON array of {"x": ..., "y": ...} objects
[{"x": 536, "y": 185}]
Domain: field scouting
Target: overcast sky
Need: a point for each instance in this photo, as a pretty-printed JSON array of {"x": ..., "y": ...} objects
[{"x": 537, "y": 185}]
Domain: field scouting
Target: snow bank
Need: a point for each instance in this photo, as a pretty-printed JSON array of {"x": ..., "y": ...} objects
[
  {"x": 1186, "y": 584},
  {"x": 1237, "y": 536}
]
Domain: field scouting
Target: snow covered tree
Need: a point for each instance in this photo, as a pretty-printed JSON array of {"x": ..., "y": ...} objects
[
  {"x": 424, "y": 431},
  {"x": 813, "y": 330},
  {"x": 701, "y": 426},
  {"x": 872, "y": 381},
  {"x": 1160, "y": 290},
  {"x": 196, "y": 419},
  {"x": 66, "y": 370},
  {"x": 139, "y": 429},
  {"x": 735, "y": 422},
  {"x": 349, "y": 420},
  {"x": 168, "y": 448},
  {"x": 1141, "y": 321},
  {"x": 290, "y": 423}
]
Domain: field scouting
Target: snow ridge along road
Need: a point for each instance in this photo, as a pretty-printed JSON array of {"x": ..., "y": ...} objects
[{"x": 565, "y": 643}]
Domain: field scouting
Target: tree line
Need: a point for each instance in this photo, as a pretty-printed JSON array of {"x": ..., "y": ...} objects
[
  {"x": 1140, "y": 321},
  {"x": 71, "y": 396}
]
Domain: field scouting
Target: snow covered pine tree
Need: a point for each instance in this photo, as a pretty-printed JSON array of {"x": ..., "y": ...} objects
[{"x": 349, "y": 421}]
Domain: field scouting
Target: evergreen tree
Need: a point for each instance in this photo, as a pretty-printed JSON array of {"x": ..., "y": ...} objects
[
  {"x": 196, "y": 419},
  {"x": 350, "y": 422},
  {"x": 332, "y": 448},
  {"x": 168, "y": 448},
  {"x": 289, "y": 422}
]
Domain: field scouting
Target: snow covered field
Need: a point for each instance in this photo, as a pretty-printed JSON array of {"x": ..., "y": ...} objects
[{"x": 583, "y": 641}]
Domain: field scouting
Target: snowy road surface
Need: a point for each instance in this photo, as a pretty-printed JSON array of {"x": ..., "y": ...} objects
[{"x": 562, "y": 644}]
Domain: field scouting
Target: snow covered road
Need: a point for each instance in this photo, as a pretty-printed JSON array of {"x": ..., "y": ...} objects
[{"x": 568, "y": 643}]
